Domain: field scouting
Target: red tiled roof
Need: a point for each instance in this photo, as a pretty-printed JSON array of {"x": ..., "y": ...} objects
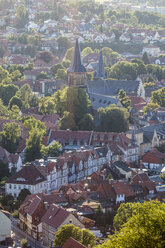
[
  {"x": 55, "y": 216},
  {"x": 123, "y": 188},
  {"x": 29, "y": 175},
  {"x": 154, "y": 157},
  {"x": 34, "y": 205},
  {"x": 72, "y": 243},
  {"x": 141, "y": 177}
]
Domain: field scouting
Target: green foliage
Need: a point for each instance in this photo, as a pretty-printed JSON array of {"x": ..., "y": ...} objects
[
  {"x": 22, "y": 195},
  {"x": 150, "y": 106},
  {"x": 15, "y": 100},
  {"x": 53, "y": 150},
  {"x": 86, "y": 123},
  {"x": 69, "y": 54},
  {"x": 4, "y": 171},
  {"x": 22, "y": 16},
  {"x": 145, "y": 58},
  {"x": 7, "y": 92},
  {"x": 163, "y": 176},
  {"x": 63, "y": 44},
  {"x": 14, "y": 113},
  {"x": 61, "y": 74},
  {"x": 46, "y": 106},
  {"x": 5, "y": 200},
  {"x": 158, "y": 97},
  {"x": 31, "y": 123},
  {"x": 4, "y": 75},
  {"x": 124, "y": 99},
  {"x": 161, "y": 147},
  {"x": 84, "y": 236},
  {"x": 10, "y": 136},
  {"x": 141, "y": 68},
  {"x": 46, "y": 56},
  {"x": 86, "y": 51},
  {"x": 43, "y": 75},
  {"x": 33, "y": 145},
  {"x": 88, "y": 238},
  {"x": 15, "y": 214},
  {"x": 24, "y": 243},
  {"x": 67, "y": 121},
  {"x": 3, "y": 109},
  {"x": 55, "y": 68},
  {"x": 124, "y": 70},
  {"x": 113, "y": 119},
  {"x": 143, "y": 226}
]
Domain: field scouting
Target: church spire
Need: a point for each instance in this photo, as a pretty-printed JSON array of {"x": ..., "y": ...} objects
[{"x": 76, "y": 65}]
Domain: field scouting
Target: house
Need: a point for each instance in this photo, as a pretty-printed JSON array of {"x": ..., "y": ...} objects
[
  {"x": 5, "y": 227},
  {"x": 154, "y": 161},
  {"x": 33, "y": 209},
  {"x": 13, "y": 161},
  {"x": 72, "y": 243},
  {"x": 54, "y": 218},
  {"x": 112, "y": 87},
  {"x": 29, "y": 177},
  {"x": 121, "y": 169},
  {"x": 149, "y": 136},
  {"x": 151, "y": 50}
]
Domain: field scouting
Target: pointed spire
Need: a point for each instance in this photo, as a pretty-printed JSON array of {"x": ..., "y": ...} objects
[
  {"x": 77, "y": 65},
  {"x": 101, "y": 72}
]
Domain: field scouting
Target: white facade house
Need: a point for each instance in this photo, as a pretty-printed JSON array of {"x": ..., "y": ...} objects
[{"x": 29, "y": 177}]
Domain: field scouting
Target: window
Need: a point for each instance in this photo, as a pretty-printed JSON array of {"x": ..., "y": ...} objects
[
  {"x": 15, "y": 186},
  {"x": 10, "y": 187}
]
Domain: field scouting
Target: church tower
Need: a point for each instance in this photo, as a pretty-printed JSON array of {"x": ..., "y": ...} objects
[
  {"x": 101, "y": 71},
  {"x": 77, "y": 72}
]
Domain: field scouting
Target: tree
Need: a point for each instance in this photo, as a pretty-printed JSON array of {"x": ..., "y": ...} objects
[
  {"x": 67, "y": 121},
  {"x": 53, "y": 150},
  {"x": 25, "y": 94},
  {"x": 88, "y": 238},
  {"x": 4, "y": 170},
  {"x": 163, "y": 176},
  {"x": 22, "y": 195},
  {"x": 46, "y": 106},
  {"x": 16, "y": 75},
  {"x": 46, "y": 56},
  {"x": 145, "y": 58},
  {"x": 141, "y": 66},
  {"x": 15, "y": 214},
  {"x": 7, "y": 92},
  {"x": 15, "y": 100},
  {"x": 65, "y": 232},
  {"x": 63, "y": 44},
  {"x": 55, "y": 68},
  {"x": 69, "y": 54},
  {"x": 144, "y": 227},
  {"x": 158, "y": 97},
  {"x": 86, "y": 51},
  {"x": 86, "y": 123},
  {"x": 31, "y": 123},
  {"x": 84, "y": 236},
  {"x": 4, "y": 75},
  {"x": 10, "y": 136},
  {"x": 24, "y": 243},
  {"x": 61, "y": 74},
  {"x": 14, "y": 113},
  {"x": 124, "y": 70},
  {"x": 124, "y": 99},
  {"x": 113, "y": 119},
  {"x": 22, "y": 16},
  {"x": 75, "y": 101},
  {"x": 150, "y": 106},
  {"x": 33, "y": 145},
  {"x": 3, "y": 109}
]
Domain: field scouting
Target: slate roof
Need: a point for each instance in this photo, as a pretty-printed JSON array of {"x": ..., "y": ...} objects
[
  {"x": 148, "y": 131},
  {"x": 122, "y": 165},
  {"x": 77, "y": 65},
  {"x": 101, "y": 101},
  {"x": 112, "y": 87}
]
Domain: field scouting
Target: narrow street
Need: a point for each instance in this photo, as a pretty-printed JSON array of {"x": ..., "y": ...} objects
[{"x": 19, "y": 234}]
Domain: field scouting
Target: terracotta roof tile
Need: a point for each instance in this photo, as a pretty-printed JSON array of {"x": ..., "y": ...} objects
[{"x": 72, "y": 243}]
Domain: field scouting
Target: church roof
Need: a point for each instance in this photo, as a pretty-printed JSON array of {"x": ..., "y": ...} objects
[{"x": 77, "y": 65}]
